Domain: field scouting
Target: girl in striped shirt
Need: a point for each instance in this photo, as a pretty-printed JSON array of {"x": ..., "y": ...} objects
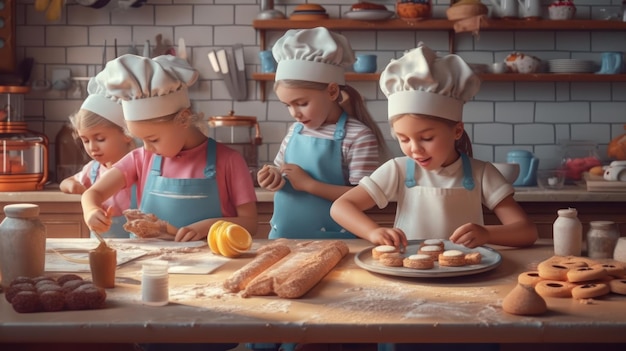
[{"x": 334, "y": 142}]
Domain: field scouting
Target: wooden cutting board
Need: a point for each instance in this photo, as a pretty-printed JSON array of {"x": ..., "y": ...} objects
[{"x": 605, "y": 185}]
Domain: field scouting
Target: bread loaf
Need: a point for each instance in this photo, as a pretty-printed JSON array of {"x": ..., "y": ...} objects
[
  {"x": 266, "y": 257},
  {"x": 299, "y": 271}
]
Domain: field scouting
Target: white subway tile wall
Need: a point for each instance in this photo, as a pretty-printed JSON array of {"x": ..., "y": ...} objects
[{"x": 502, "y": 117}]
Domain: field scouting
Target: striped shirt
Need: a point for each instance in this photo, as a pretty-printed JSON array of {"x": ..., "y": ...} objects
[{"x": 359, "y": 149}]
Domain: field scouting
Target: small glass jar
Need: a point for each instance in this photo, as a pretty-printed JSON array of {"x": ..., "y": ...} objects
[
  {"x": 155, "y": 283},
  {"x": 601, "y": 239},
  {"x": 414, "y": 9}
]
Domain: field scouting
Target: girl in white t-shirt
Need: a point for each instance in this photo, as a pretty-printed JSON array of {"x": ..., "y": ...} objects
[{"x": 439, "y": 188}]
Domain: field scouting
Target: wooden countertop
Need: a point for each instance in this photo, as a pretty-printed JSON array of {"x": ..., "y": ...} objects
[
  {"x": 349, "y": 305},
  {"x": 571, "y": 193}
]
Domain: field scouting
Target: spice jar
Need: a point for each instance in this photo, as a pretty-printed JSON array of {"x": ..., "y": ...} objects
[
  {"x": 601, "y": 239},
  {"x": 567, "y": 232},
  {"x": 22, "y": 243},
  {"x": 155, "y": 283}
]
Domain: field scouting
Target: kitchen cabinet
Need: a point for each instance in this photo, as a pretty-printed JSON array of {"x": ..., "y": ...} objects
[
  {"x": 62, "y": 219},
  {"x": 262, "y": 26}
]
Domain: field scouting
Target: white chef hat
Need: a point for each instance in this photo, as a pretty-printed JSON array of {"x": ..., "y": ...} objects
[
  {"x": 150, "y": 88},
  {"x": 100, "y": 102},
  {"x": 315, "y": 55},
  {"x": 421, "y": 83}
]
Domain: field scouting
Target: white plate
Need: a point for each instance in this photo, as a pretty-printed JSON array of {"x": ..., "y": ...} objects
[
  {"x": 369, "y": 15},
  {"x": 490, "y": 260}
]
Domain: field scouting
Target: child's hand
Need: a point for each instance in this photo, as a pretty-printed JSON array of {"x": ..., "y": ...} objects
[
  {"x": 470, "y": 235},
  {"x": 298, "y": 178},
  {"x": 269, "y": 177},
  {"x": 388, "y": 236},
  {"x": 188, "y": 234},
  {"x": 98, "y": 220},
  {"x": 71, "y": 186}
]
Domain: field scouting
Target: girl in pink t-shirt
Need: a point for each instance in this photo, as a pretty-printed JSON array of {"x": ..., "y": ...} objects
[{"x": 183, "y": 177}]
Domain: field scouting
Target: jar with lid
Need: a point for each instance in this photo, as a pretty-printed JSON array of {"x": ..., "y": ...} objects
[
  {"x": 155, "y": 283},
  {"x": 579, "y": 156},
  {"x": 22, "y": 243},
  {"x": 601, "y": 239},
  {"x": 567, "y": 233}
]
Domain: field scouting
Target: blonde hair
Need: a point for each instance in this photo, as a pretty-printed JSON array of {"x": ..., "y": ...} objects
[
  {"x": 196, "y": 120},
  {"x": 463, "y": 145},
  {"x": 354, "y": 105},
  {"x": 85, "y": 119}
]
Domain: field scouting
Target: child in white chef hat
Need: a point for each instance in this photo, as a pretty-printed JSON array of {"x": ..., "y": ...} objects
[
  {"x": 99, "y": 124},
  {"x": 439, "y": 189},
  {"x": 182, "y": 176},
  {"x": 332, "y": 145}
]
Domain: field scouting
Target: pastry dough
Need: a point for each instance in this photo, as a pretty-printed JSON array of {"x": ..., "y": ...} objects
[{"x": 295, "y": 274}]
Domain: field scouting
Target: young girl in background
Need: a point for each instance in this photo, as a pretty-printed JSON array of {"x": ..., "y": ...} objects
[
  {"x": 332, "y": 145},
  {"x": 439, "y": 189},
  {"x": 101, "y": 128},
  {"x": 182, "y": 176}
]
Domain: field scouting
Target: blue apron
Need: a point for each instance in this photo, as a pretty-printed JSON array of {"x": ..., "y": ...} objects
[
  {"x": 117, "y": 222},
  {"x": 468, "y": 179},
  {"x": 182, "y": 201},
  {"x": 298, "y": 214}
]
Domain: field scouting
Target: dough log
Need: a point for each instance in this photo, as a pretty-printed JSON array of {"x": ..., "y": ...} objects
[
  {"x": 300, "y": 271},
  {"x": 266, "y": 257}
]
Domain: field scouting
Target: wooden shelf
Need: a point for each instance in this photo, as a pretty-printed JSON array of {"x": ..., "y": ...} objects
[
  {"x": 439, "y": 24},
  {"x": 444, "y": 25},
  {"x": 488, "y": 77}
]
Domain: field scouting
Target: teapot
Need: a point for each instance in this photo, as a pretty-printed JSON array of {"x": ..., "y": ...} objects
[
  {"x": 504, "y": 8},
  {"x": 528, "y": 165}
]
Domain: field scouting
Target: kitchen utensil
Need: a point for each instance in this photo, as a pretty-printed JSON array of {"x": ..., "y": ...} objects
[
  {"x": 529, "y": 9},
  {"x": 181, "y": 51},
  {"x": 528, "y": 167},
  {"x": 240, "y": 65},
  {"x": 146, "y": 49},
  {"x": 268, "y": 11},
  {"x": 104, "y": 55},
  {"x": 219, "y": 63},
  {"x": 504, "y": 8},
  {"x": 160, "y": 47}
]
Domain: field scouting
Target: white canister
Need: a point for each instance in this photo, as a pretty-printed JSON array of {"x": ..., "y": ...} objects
[
  {"x": 155, "y": 283},
  {"x": 567, "y": 233},
  {"x": 22, "y": 243}
]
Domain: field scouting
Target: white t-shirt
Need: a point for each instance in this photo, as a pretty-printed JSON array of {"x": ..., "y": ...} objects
[{"x": 419, "y": 214}]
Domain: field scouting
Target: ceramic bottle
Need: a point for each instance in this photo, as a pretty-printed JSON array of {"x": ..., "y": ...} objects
[
  {"x": 567, "y": 232},
  {"x": 22, "y": 243}
]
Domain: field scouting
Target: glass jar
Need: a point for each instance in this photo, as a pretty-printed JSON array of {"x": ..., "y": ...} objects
[
  {"x": 579, "y": 156},
  {"x": 22, "y": 243},
  {"x": 414, "y": 9},
  {"x": 601, "y": 239}
]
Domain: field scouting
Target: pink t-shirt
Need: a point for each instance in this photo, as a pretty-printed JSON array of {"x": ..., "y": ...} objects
[
  {"x": 233, "y": 177},
  {"x": 119, "y": 202}
]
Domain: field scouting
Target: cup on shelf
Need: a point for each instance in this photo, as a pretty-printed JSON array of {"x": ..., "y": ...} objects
[
  {"x": 365, "y": 63},
  {"x": 268, "y": 63},
  {"x": 498, "y": 68}
]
